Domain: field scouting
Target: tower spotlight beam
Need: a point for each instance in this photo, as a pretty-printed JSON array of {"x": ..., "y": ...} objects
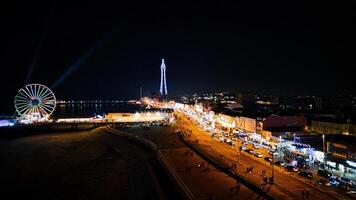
[
  {"x": 106, "y": 36},
  {"x": 82, "y": 59},
  {"x": 39, "y": 45}
]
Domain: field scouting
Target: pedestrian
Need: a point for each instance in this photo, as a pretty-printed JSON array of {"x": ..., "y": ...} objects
[{"x": 238, "y": 185}]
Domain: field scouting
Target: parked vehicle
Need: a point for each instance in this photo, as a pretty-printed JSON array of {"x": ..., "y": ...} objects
[
  {"x": 333, "y": 180},
  {"x": 256, "y": 146},
  {"x": 305, "y": 174},
  {"x": 269, "y": 159},
  {"x": 351, "y": 193},
  {"x": 279, "y": 163},
  {"x": 274, "y": 153},
  {"x": 292, "y": 168},
  {"x": 324, "y": 182},
  {"x": 260, "y": 155},
  {"x": 250, "y": 151},
  {"x": 346, "y": 181},
  {"x": 324, "y": 173}
]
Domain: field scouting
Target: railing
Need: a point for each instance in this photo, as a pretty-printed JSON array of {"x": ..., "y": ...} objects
[
  {"x": 178, "y": 182},
  {"x": 226, "y": 170}
]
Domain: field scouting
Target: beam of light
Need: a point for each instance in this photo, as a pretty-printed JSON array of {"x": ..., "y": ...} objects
[
  {"x": 106, "y": 36},
  {"x": 39, "y": 46},
  {"x": 83, "y": 58}
]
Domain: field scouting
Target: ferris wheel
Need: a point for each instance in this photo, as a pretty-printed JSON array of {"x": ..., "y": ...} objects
[{"x": 35, "y": 102}]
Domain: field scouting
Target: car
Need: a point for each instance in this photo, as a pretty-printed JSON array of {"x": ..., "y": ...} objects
[
  {"x": 260, "y": 155},
  {"x": 256, "y": 146},
  {"x": 324, "y": 182},
  {"x": 305, "y": 174},
  {"x": 269, "y": 159},
  {"x": 346, "y": 181},
  {"x": 324, "y": 173},
  {"x": 333, "y": 180},
  {"x": 351, "y": 193},
  {"x": 292, "y": 168},
  {"x": 279, "y": 163},
  {"x": 274, "y": 153},
  {"x": 250, "y": 151}
]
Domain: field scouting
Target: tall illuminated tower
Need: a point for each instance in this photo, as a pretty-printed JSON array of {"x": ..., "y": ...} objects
[{"x": 163, "y": 80}]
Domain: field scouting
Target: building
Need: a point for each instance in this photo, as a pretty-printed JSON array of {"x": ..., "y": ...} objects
[
  {"x": 340, "y": 127},
  {"x": 247, "y": 99},
  {"x": 146, "y": 116},
  {"x": 284, "y": 123},
  {"x": 341, "y": 154}
]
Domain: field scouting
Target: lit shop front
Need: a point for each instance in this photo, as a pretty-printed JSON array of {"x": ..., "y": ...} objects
[{"x": 344, "y": 166}]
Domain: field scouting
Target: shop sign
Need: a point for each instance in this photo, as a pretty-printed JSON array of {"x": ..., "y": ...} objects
[
  {"x": 352, "y": 164},
  {"x": 331, "y": 164}
]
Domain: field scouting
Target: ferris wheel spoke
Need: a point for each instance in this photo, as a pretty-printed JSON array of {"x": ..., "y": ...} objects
[
  {"x": 47, "y": 94},
  {"x": 48, "y": 98},
  {"x": 22, "y": 100},
  {"x": 29, "y": 89},
  {"x": 22, "y": 104},
  {"x": 41, "y": 90},
  {"x": 34, "y": 91},
  {"x": 18, "y": 98},
  {"x": 44, "y": 112},
  {"x": 46, "y": 109},
  {"x": 26, "y": 92},
  {"x": 50, "y": 108},
  {"x": 23, "y": 111},
  {"x": 31, "y": 110},
  {"x": 42, "y": 109},
  {"x": 44, "y": 92},
  {"x": 38, "y": 110},
  {"x": 23, "y": 96},
  {"x": 26, "y": 109}
]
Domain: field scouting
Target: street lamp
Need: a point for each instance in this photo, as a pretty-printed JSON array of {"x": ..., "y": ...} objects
[
  {"x": 280, "y": 151},
  {"x": 324, "y": 149},
  {"x": 272, "y": 164},
  {"x": 323, "y": 143}
]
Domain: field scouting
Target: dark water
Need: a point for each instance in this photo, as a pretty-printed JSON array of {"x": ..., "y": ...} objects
[{"x": 90, "y": 110}]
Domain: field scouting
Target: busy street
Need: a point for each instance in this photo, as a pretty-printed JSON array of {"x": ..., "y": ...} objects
[{"x": 273, "y": 162}]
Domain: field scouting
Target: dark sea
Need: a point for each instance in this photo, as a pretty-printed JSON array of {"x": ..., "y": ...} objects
[{"x": 91, "y": 109}]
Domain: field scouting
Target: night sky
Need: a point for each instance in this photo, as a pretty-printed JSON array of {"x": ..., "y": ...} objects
[{"x": 112, "y": 49}]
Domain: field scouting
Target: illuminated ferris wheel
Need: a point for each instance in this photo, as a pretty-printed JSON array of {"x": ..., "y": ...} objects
[{"x": 35, "y": 102}]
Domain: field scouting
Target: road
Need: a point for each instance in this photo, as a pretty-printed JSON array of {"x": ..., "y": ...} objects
[
  {"x": 81, "y": 165},
  {"x": 285, "y": 185}
]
